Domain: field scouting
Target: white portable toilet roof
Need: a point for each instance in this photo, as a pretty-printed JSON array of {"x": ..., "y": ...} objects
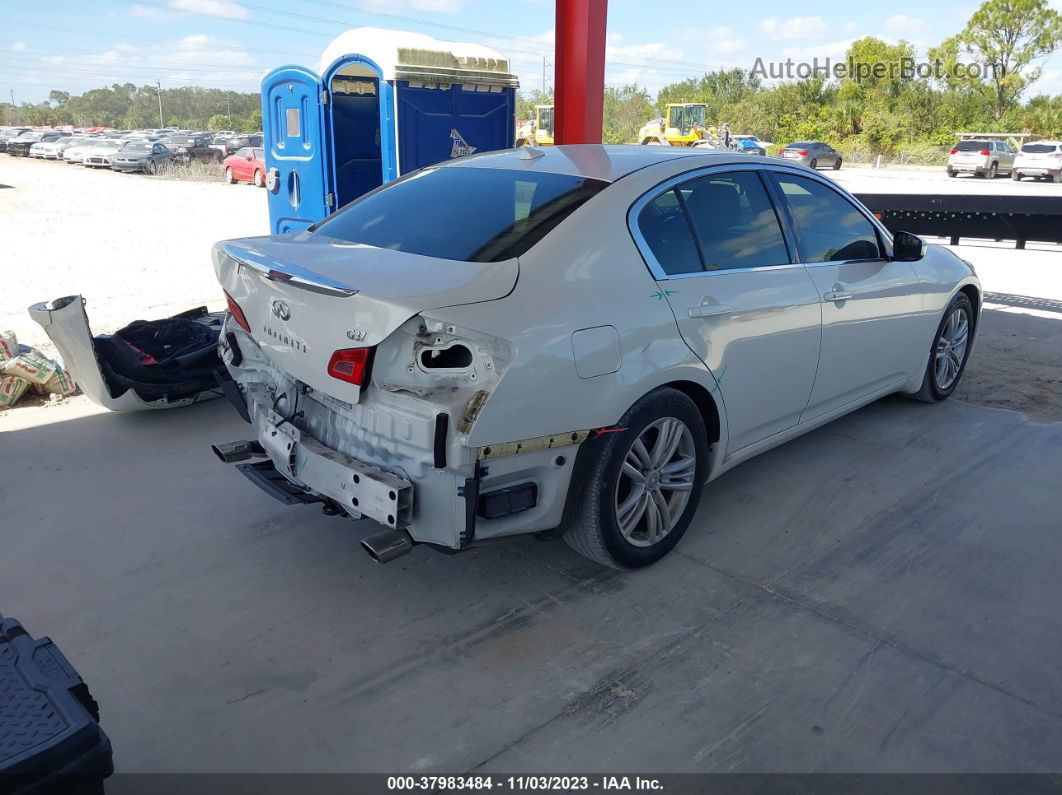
[{"x": 402, "y": 55}]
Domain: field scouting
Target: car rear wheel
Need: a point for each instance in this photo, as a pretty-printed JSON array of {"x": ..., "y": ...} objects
[
  {"x": 259, "y": 179},
  {"x": 1056, "y": 177},
  {"x": 643, "y": 485},
  {"x": 837, "y": 164},
  {"x": 1014, "y": 175},
  {"x": 949, "y": 353},
  {"x": 229, "y": 178},
  {"x": 951, "y": 172},
  {"x": 814, "y": 163},
  {"x": 152, "y": 168},
  {"x": 993, "y": 170}
]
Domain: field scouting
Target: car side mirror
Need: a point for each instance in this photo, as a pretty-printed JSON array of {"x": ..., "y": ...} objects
[{"x": 907, "y": 247}]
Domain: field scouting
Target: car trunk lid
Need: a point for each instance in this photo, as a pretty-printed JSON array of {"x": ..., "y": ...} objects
[{"x": 306, "y": 296}]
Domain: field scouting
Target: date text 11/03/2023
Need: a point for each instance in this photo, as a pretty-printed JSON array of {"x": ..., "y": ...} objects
[{"x": 536, "y": 783}]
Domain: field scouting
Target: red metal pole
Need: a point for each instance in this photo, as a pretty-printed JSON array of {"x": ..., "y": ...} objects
[{"x": 580, "y": 77}]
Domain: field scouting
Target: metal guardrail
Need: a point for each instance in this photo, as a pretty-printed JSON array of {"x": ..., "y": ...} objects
[{"x": 1017, "y": 218}]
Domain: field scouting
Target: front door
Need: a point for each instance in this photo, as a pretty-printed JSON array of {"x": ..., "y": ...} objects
[
  {"x": 293, "y": 117},
  {"x": 716, "y": 247},
  {"x": 870, "y": 303}
]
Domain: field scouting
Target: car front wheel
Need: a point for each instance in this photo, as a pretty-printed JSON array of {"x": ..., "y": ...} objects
[
  {"x": 949, "y": 353},
  {"x": 813, "y": 164},
  {"x": 643, "y": 485}
]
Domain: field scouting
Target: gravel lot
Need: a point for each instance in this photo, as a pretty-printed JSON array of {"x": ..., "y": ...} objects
[{"x": 136, "y": 247}]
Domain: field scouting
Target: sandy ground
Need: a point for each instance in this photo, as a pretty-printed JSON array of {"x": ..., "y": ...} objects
[{"x": 138, "y": 247}]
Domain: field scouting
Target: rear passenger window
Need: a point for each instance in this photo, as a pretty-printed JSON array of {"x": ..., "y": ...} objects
[
  {"x": 664, "y": 226},
  {"x": 734, "y": 221},
  {"x": 829, "y": 228}
]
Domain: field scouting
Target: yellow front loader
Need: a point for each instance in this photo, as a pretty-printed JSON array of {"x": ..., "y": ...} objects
[
  {"x": 684, "y": 125},
  {"x": 537, "y": 131}
]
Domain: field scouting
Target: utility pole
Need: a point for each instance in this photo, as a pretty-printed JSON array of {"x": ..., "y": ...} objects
[{"x": 158, "y": 84}]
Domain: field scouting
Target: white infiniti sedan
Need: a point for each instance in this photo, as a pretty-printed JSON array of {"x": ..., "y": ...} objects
[{"x": 572, "y": 340}]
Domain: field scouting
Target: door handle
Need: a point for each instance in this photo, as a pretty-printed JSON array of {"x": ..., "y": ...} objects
[
  {"x": 709, "y": 310},
  {"x": 836, "y": 295}
]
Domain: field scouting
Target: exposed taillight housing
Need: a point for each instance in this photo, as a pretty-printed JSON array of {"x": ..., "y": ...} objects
[
  {"x": 237, "y": 313},
  {"x": 954, "y": 151},
  {"x": 984, "y": 153},
  {"x": 350, "y": 365}
]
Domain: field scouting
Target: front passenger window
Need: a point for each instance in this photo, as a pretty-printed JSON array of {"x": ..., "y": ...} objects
[{"x": 829, "y": 228}]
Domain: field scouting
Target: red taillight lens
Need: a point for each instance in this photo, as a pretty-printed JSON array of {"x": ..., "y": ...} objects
[
  {"x": 350, "y": 365},
  {"x": 984, "y": 152},
  {"x": 803, "y": 152},
  {"x": 954, "y": 151},
  {"x": 237, "y": 314}
]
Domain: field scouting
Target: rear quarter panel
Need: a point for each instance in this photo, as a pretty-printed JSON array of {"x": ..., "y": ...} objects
[{"x": 585, "y": 274}]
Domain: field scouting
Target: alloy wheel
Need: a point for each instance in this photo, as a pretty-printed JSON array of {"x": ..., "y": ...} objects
[
  {"x": 951, "y": 349},
  {"x": 655, "y": 482}
]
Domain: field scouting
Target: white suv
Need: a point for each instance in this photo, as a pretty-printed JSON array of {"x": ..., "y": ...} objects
[
  {"x": 981, "y": 158},
  {"x": 1039, "y": 160}
]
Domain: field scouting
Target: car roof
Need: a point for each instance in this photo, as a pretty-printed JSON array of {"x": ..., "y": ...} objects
[{"x": 608, "y": 162}]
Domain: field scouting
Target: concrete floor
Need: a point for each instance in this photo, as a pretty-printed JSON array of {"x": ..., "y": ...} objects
[{"x": 880, "y": 595}]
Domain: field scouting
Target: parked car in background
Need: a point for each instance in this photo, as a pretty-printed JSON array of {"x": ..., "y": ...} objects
[
  {"x": 187, "y": 147},
  {"x": 47, "y": 148},
  {"x": 981, "y": 158},
  {"x": 246, "y": 165},
  {"x": 1039, "y": 160},
  {"x": 20, "y": 146},
  {"x": 748, "y": 145},
  {"x": 148, "y": 157},
  {"x": 8, "y": 134},
  {"x": 100, "y": 153},
  {"x": 75, "y": 153},
  {"x": 227, "y": 144},
  {"x": 813, "y": 154},
  {"x": 715, "y": 305},
  {"x": 63, "y": 145}
]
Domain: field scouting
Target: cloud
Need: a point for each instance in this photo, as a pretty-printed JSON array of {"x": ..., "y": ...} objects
[
  {"x": 722, "y": 40},
  {"x": 19, "y": 46},
  {"x": 901, "y": 23},
  {"x": 439, "y": 6},
  {"x": 214, "y": 8},
  {"x": 148, "y": 12},
  {"x": 794, "y": 28}
]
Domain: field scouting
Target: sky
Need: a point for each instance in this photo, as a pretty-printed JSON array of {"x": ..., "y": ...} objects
[{"x": 82, "y": 44}]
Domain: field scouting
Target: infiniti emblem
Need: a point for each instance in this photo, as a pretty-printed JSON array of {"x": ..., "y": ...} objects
[{"x": 281, "y": 310}]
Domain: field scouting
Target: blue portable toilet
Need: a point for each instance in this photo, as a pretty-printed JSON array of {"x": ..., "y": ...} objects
[{"x": 384, "y": 103}]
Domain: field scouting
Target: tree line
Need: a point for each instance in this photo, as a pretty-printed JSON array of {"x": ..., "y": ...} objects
[
  {"x": 882, "y": 110},
  {"x": 127, "y": 106}
]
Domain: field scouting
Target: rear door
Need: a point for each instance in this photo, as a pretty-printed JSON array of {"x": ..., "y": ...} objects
[
  {"x": 438, "y": 124},
  {"x": 719, "y": 254},
  {"x": 294, "y": 118},
  {"x": 872, "y": 333}
]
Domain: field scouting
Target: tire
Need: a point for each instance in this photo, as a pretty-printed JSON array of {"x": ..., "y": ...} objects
[
  {"x": 993, "y": 171},
  {"x": 814, "y": 163},
  {"x": 952, "y": 173},
  {"x": 837, "y": 165},
  {"x": 932, "y": 390},
  {"x": 592, "y": 525},
  {"x": 1056, "y": 177},
  {"x": 1014, "y": 175},
  {"x": 229, "y": 178},
  {"x": 259, "y": 178},
  {"x": 152, "y": 168}
]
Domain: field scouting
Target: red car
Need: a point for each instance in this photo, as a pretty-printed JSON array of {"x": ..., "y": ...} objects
[{"x": 246, "y": 165}]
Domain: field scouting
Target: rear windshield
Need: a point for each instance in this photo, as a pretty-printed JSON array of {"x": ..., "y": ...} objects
[
  {"x": 800, "y": 145},
  {"x": 467, "y": 214},
  {"x": 972, "y": 146},
  {"x": 1038, "y": 149}
]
